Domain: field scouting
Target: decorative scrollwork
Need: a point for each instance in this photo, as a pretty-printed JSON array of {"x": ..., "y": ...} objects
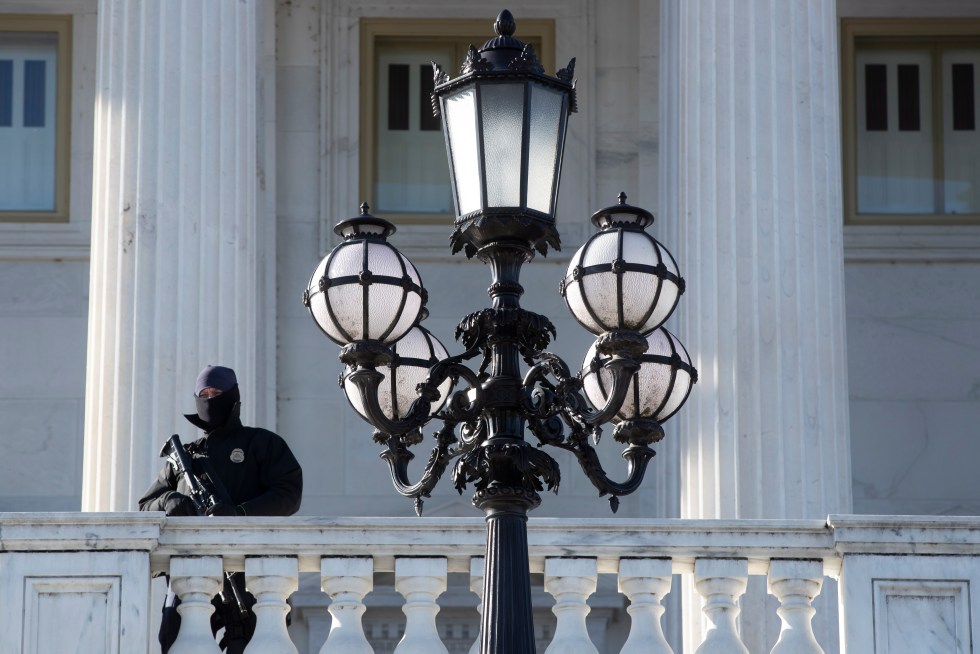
[
  {"x": 527, "y": 61},
  {"x": 439, "y": 76},
  {"x": 531, "y": 331},
  {"x": 553, "y": 400},
  {"x": 398, "y": 456},
  {"x": 568, "y": 396},
  {"x": 475, "y": 62},
  {"x": 511, "y": 463},
  {"x": 567, "y": 74}
]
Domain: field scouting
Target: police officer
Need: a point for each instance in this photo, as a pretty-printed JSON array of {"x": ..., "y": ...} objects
[{"x": 251, "y": 471}]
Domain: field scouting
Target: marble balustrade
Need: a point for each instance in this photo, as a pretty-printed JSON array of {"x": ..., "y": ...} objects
[{"x": 903, "y": 583}]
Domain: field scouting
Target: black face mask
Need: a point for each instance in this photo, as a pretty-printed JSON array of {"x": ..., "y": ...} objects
[{"x": 214, "y": 412}]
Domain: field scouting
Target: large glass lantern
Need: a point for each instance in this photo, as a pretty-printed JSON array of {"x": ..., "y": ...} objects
[
  {"x": 413, "y": 355},
  {"x": 657, "y": 390},
  {"x": 365, "y": 289},
  {"x": 505, "y": 123},
  {"x": 622, "y": 278}
]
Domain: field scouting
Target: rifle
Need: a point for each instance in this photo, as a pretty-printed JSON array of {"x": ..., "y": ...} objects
[{"x": 204, "y": 498}]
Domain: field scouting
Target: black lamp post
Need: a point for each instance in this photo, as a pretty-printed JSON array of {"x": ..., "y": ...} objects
[{"x": 505, "y": 122}]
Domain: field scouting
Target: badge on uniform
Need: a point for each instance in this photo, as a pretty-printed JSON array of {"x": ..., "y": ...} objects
[{"x": 237, "y": 455}]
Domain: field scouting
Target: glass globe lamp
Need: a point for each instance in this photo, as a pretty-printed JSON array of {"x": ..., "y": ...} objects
[
  {"x": 413, "y": 355},
  {"x": 622, "y": 278},
  {"x": 656, "y": 391},
  {"x": 365, "y": 289}
]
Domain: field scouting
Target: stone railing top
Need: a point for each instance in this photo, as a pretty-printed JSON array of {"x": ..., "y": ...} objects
[
  {"x": 309, "y": 538},
  {"x": 897, "y": 534},
  {"x": 73, "y": 531}
]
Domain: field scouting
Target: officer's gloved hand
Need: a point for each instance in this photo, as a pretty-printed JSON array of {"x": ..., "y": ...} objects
[
  {"x": 222, "y": 509},
  {"x": 178, "y": 504}
]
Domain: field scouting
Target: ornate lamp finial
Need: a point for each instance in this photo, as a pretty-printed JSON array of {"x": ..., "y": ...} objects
[{"x": 505, "y": 25}]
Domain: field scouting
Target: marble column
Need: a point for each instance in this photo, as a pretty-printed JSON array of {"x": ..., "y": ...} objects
[
  {"x": 180, "y": 261},
  {"x": 751, "y": 208}
]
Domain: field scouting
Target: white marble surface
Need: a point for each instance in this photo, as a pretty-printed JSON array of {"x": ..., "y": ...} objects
[
  {"x": 899, "y": 573},
  {"x": 914, "y": 368},
  {"x": 44, "y": 310},
  {"x": 912, "y": 604},
  {"x": 92, "y": 601}
]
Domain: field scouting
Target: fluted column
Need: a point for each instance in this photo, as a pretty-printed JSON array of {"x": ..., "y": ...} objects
[
  {"x": 421, "y": 581},
  {"x": 645, "y": 582},
  {"x": 346, "y": 581},
  {"x": 751, "y": 200},
  {"x": 195, "y": 580},
  {"x": 570, "y": 581},
  {"x": 272, "y": 580},
  {"x": 177, "y": 276}
]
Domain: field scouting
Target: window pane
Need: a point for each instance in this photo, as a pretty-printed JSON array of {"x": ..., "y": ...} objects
[
  {"x": 964, "y": 113},
  {"x": 894, "y": 160},
  {"x": 27, "y": 137},
  {"x": 411, "y": 172},
  {"x": 6, "y": 92},
  {"x": 460, "y": 114},
  {"x": 427, "y": 119},
  {"x": 502, "y": 113},
  {"x": 397, "y": 96},
  {"x": 547, "y": 113},
  {"x": 34, "y": 105},
  {"x": 876, "y": 97},
  {"x": 961, "y": 141},
  {"x": 908, "y": 97}
]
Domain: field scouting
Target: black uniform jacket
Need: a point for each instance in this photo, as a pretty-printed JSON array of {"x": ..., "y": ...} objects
[{"x": 255, "y": 466}]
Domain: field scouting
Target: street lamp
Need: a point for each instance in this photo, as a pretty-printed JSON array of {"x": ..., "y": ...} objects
[{"x": 504, "y": 124}]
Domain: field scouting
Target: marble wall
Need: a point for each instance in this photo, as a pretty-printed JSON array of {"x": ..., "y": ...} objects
[
  {"x": 913, "y": 306},
  {"x": 44, "y": 286},
  {"x": 914, "y": 375}
]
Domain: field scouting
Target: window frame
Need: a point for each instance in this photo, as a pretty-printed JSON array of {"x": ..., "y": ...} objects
[
  {"x": 932, "y": 34},
  {"x": 61, "y": 26},
  {"x": 461, "y": 32}
]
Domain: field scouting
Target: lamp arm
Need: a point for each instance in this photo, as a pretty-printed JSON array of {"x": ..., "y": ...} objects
[
  {"x": 545, "y": 399},
  {"x": 460, "y": 407},
  {"x": 367, "y": 380},
  {"x": 637, "y": 456},
  {"x": 398, "y": 456}
]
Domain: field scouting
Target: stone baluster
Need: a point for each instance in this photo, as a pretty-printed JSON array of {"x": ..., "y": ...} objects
[
  {"x": 346, "y": 581},
  {"x": 421, "y": 581},
  {"x": 477, "y": 570},
  {"x": 272, "y": 580},
  {"x": 195, "y": 580},
  {"x": 721, "y": 582},
  {"x": 570, "y": 581},
  {"x": 795, "y": 584},
  {"x": 645, "y": 582}
]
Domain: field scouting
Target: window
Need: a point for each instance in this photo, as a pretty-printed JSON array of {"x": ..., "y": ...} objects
[
  {"x": 910, "y": 101},
  {"x": 34, "y": 116},
  {"x": 404, "y": 174}
]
